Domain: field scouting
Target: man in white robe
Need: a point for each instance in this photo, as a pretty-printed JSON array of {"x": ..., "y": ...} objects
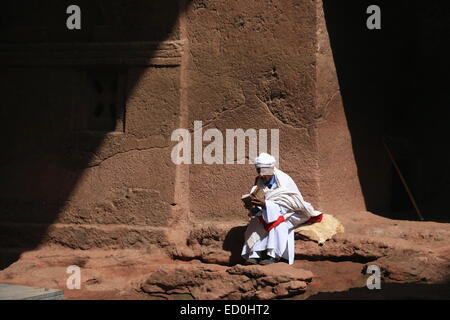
[{"x": 270, "y": 234}]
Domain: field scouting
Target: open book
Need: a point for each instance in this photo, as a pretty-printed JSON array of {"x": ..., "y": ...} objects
[{"x": 255, "y": 192}]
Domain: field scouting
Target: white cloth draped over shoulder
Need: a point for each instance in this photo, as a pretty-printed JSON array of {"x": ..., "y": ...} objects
[
  {"x": 288, "y": 195},
  {"x": 285, "y": 199}
]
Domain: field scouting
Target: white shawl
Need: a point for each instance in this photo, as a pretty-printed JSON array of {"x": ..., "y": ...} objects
[{"x": 288, "y": 195}]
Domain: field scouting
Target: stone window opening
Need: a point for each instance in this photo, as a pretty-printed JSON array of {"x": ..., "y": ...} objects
[{"x": 105, "y": 100}]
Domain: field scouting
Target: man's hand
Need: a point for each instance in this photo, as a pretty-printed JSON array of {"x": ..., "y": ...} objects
[
  {"x": 258, "y": 202},
  {"x": 248, "y": 206}
]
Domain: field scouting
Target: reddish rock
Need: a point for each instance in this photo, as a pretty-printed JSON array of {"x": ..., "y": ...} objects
[{"x": 239, "y": 282}]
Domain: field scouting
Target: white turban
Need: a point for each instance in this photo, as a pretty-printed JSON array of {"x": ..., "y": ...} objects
[{"x": 265, "y": 160}]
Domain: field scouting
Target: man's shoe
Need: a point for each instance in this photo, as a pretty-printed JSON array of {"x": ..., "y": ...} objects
[
  {"x": 252, "y": 261},
  {"x": 268, "y": 260}
]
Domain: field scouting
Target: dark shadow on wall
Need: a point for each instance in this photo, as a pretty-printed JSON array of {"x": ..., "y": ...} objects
[
  {"x": 393, "y": 85},
  {"x": 233, "y": 242},
  {"x": 44, "y": 154}
]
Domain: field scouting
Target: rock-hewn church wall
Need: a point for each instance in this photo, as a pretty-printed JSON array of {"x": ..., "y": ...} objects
[{"x": 88, "y": 117}]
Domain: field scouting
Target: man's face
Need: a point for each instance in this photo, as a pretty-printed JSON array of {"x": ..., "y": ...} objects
[{"x": 265, "y": 178}]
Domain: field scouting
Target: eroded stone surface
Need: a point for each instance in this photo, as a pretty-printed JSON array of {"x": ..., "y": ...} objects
[
  {"x": 405, "y": 251},
  {"x": 218, "y": 282}
]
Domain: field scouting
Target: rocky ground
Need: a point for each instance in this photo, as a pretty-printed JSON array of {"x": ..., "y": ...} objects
[{"x": 414, "y": 258}]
